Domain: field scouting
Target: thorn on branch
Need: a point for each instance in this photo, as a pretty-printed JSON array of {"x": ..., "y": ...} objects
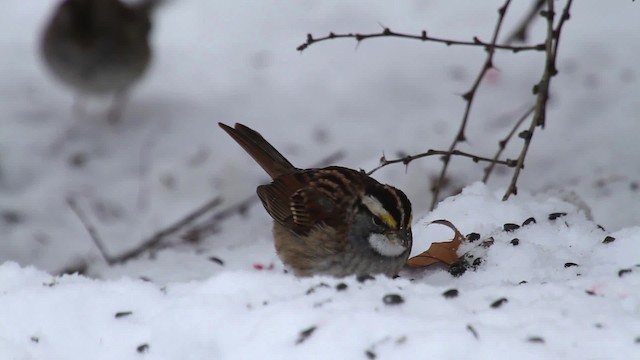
[
  {"x": 526, "y": 134},
  {"x": 424, "y": 35},
  {"x": 536, "y": 89},
  {"x": 468, "y": 96}
]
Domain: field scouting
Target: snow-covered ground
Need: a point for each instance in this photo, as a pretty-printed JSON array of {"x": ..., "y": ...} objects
[{"x": 569, "y": 295}]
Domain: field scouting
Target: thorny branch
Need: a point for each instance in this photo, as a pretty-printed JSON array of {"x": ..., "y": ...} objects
[
  {"x": 409, "y": 158},
  {"x": 542, "y": 88},
  {"x": 387, "y": 32},
  {"x": 468, "y": 97}
]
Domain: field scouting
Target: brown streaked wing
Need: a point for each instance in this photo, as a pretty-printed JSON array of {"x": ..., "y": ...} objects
[{"x": 298, "y": 206}]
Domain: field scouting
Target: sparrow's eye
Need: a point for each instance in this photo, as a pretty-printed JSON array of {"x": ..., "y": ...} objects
[{"x": 376, "y": 220}]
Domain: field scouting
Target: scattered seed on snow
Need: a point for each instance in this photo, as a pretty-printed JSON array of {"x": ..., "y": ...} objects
[
  {"x": 305, "y": 334},
  {"x": 471, "y": 237},
  {"x": 515, "y": 242},
  {"x": 143, "y": 348},
  {"x": 529, "y": 221},
  {"x": 364, "y": 278},
  {"x": 623, "y": 272},
  {"x": 451, "y": 293},
  {"x": 312, "y": 289},
  {"x": 341, "y": 286},
  {"x": 608, "y": 239},
  {"x": 556, "y": 215},
  {"x": 121, "y": 314},
  {"x": 370, "y": 354},
  {"x": 485, "y": 244},
  {"x": 34, "y": 339},
  {"x": 496, "y": 304},
  {"x": 590, "y": 292},
  {"x": 570, "y": 264},
  {"x": 473, "y": 331},
  {"x": 216, "y": 260},
  {"x": 522, "y": 282},
  {"x": 535, "y": 340},
  {"x": 458, "y": 268},
  {"x": 392, "y": 299},
  {"x": 510, "y": 227}
]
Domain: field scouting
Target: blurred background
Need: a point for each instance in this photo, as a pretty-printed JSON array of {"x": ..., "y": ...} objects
[{"x": 223, "y": 61}]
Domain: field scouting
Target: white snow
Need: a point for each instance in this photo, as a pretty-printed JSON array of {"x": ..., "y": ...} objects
[{"x": 234, "y": 61}]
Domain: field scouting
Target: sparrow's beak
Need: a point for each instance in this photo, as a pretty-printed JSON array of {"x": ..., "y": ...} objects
[{"x": 402, "y": 237}]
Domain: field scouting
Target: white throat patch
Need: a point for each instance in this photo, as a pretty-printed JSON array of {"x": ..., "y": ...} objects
[{"x": 384, "y": 247}]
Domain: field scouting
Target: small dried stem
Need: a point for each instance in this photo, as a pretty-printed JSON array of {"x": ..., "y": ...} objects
[
  {"x": 502, "y": 144},
  {"x": 93, "y": 233}
]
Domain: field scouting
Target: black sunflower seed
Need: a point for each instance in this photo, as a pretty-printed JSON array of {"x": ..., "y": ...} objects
[
  {"x": 471, "y": 237},
  {"x": 392, "y": 299},
  {"x": 305, "y": 334},
  {"x": 556, "y": 215},
  {"x": 451, "y": 293},
  {"x": 496, "y": 304},
  {"x": 608, "y": 239},
  {"x": 535, "y": 339},
  {"x": 510, "y": 227},
  {"x": 529, "y": 221},
  {"x": 623, "y": 272}
]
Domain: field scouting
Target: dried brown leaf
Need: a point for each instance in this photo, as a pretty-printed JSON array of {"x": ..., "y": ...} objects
[{"x": 439, "y": 252}]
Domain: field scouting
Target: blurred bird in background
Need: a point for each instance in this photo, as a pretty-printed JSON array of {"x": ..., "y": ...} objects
[{"x": 99, "y": 48}]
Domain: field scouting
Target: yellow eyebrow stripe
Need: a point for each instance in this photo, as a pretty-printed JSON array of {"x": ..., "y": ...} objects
[{"x": 389, "y": 220}]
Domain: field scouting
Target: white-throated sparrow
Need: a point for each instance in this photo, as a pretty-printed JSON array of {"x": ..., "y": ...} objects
[
  {"x": 99, "y": 47},
  {"x": 333, "y": 220}
]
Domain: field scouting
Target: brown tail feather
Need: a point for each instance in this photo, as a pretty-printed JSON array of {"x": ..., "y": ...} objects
[{"x": 260, "y": 150}]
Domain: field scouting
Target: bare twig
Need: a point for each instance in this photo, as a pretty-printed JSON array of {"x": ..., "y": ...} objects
[
  {"x": 542, "y": 88},
  {"x": 161, "y": 235},
  {"x": 386, "y": 32},
  {"x": 409, "y": 158},
  {"x": 93, "y": 233},
  {"x": 502, "y": 144},
  {"x": 468, "y": 97},
  {"x": 522, "y": 30}
]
